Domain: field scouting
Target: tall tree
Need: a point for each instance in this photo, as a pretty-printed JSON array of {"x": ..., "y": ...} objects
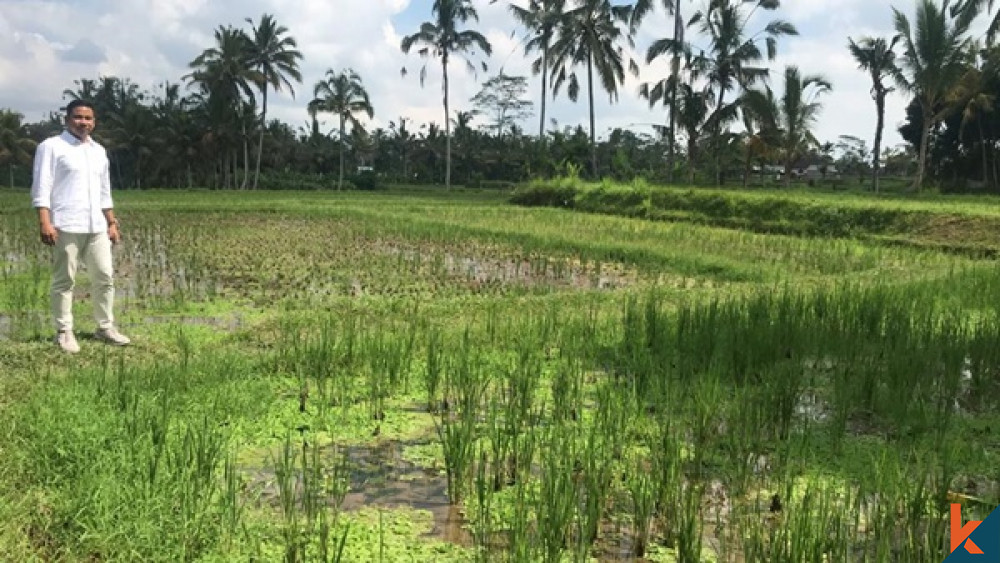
[
  {"x": 273, "y": 54},
  {"x": 666, "y": 90},
  {"x": 794, "y": 114},
  {"x": 968, "y": 10},
  {"x": 343, "y": 95},
  {"x": 935, "y": 55},
  {"x": 540, "y": 18},
  {"x": 224, "y": 79},
  {"x": 733, "y": 57},
  {"x": 442, "y": 38},
  {"x": 502, "y": 97},
  {"x": 15, "y": 146},
  {"x": 975, "y": 96},
  {"x": 591, "y": 34},
  {"x": 693, "y": 109},
  {"x": 876, "y": 56}
]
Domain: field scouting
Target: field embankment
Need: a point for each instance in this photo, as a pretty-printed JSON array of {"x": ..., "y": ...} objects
[{"x": 949, "y": 223}]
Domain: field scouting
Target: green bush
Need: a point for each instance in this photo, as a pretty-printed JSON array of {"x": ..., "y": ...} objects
[
  {"x": 367, "y": 181},
  {"x": 539, "y": 194}
]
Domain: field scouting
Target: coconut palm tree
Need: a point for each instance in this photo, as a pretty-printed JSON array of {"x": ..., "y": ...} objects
[
  {"x": 273, "y": 54},
  {"x": 693, "y": 109},
  {"x": 934, "y": 57},
  {"x": 441, "y": 39},
  {"x": 666, "y": 90},
  {"x": 974, "y": 96},
  {"x": 15, "y": 146},
  {"x": 876, "y": 56},
  {"x": 540, "y": 18},
  {"x": 968, "y": 10},
  {"x": 733, "y": 56},
  {"x": 224, "y": 78},
  {"x": 590, "y": 35},
  {"x": 794, "y": 114},
  {"x": 343, "y": 94}
]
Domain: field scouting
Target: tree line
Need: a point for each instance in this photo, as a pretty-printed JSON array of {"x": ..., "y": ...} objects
[{"x": 723, "y": 118}]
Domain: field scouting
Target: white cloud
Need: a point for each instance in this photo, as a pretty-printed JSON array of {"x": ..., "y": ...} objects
[{"x": 151, "y": 41}]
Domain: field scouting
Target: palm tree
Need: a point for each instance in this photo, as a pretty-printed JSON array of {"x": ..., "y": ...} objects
[
  {"x": 441, "y": 39},
  {"x": 732, "y": 57},
  {"x": 589, "y": 34},
  {"x": 344, "y": 95},
  {"x": 402, "y": 140},
  {"x": 274, "y": 55},
  {"x": 876, "y": 56},
  {"x": 760, "y": 113},
  {"x": 692, "y": 113},
  {"x": 975, "y": 97},
  {"x": 666, "y": 90},
  {"x": 15, "y": 146},
  {"x": 540, "y": 18},
  {"x": 932, "y": 62},
  {"x": 968, "y": 10},
  {"x": 795, "y": 113},
  {"x": 224, "y": 78}
]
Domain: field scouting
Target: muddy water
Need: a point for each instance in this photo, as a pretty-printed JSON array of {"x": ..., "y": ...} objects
[{"x": 380, "y": 477}]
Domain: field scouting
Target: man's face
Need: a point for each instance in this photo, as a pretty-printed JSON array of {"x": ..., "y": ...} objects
[{"x": 80, "y": 122}]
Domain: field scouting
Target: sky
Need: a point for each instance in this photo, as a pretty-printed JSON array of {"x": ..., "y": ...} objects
[{"x": 47, "y": 44}]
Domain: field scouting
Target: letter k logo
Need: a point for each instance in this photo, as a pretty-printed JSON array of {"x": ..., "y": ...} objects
[{"x": 960, "y": 534}]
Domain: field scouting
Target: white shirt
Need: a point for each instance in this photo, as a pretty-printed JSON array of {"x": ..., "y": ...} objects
[{"x": 72, "y": 179}]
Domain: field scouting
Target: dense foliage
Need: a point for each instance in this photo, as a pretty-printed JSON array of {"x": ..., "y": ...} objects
[{"x": 722, "y": 122}]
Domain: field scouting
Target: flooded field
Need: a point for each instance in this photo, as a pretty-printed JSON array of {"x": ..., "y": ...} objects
[{"x": 431, "y": 378}]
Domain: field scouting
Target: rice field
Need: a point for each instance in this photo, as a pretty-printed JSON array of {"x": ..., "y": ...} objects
[{"x": 442, "y": 376}]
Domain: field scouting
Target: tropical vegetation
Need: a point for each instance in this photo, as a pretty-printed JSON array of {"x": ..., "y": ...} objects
[{"x": 718, "y": 57}]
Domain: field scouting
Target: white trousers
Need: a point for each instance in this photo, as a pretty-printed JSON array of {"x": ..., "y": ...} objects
[{"x": 95, "y": 250}]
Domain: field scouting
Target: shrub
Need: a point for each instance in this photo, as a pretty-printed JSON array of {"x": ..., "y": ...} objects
[{"x": 367, "y": 181}]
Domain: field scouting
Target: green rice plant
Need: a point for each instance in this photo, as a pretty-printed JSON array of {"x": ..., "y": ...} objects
[
  {"x": 782, "y": 384},
  {"x": 805, "y": 521},
  {"x": 557, "y": 493},
  {"x": 433, "y": 368},
  {"x": 593, "y": 490},
  {"x": 567, "y": 392},
  {"x": 501, "y": 444},
  {"x": 689, "y": 524},
  {"x": 458, "y": 435},
  {"x": 521, "y": 531},
  {"x": 25, "y": 294},
  {"x": 231, "y": 503},
  {"x": 642, "y": 493},
  {"x": 483, "y": 482},
  {"x": 288, "y": 482}
]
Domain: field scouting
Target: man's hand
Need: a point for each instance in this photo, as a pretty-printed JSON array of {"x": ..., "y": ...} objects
[
  {"x": 113, "y": 233},
  {"x": 49, "y": 234}
]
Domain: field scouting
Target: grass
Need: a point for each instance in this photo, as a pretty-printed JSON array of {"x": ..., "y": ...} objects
[{"x": 575, "y": 386}]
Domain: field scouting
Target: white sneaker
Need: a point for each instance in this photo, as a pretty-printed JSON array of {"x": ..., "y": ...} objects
[
  {"x": 112, "y": 336},
  {"x": 66, "y": 340}
]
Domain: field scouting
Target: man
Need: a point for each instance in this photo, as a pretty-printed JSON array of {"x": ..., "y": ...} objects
[{"x": 71, "y": 189}]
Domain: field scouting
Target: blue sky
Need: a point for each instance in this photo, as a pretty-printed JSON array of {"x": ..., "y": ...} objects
[{"x": 46, "y": 44}]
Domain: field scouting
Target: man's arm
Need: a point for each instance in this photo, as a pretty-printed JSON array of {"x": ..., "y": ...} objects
[
  {"x": 107, "y": 205},
  {"x": 41, "y": 192}
]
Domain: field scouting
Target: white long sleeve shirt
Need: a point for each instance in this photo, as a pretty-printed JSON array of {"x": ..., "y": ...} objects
[{"x": 72, "y": 179}]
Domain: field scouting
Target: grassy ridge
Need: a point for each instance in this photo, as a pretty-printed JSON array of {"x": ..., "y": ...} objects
[{"x": 953, "y": 223}]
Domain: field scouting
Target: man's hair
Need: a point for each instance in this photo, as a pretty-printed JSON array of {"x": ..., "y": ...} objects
[{"x": 78, "y": 104}]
